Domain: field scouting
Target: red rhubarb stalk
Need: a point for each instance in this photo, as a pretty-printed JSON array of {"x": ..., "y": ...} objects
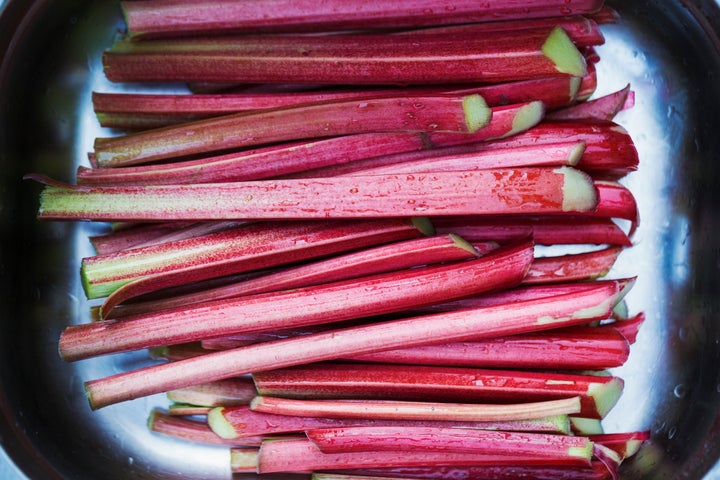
[
  {"x": 603, "y": 108},
  {"x": 566, "y": 154},
  {"x": 193, "y": 430},
  {"x": 630, "y": 328},
  {"x": 575, "y": 348},
  {"x": 616, "y": 201},
  {"x": 374, "y": 295},
  {"x": 625, "y": 444},
  {"x": 350, "y": 59},
  {"x": 500, "y": 191},
  {"x": 232, "y": 422},
  {"x": 385, "y": 258},
  {"x": 245, "y": 248},
  {"x": 454, "y": 113},
  {"x": 258, "y": 163},
  {"x": 137, "y": 234},
  {"x": 543, "y": 230},
  {"x": 230, "y": 391},
  {"x": 415, "y": 411},
  {"x": 506, "y": 121},
  {"x": 179, "y": 18},
  {"x": 143, "y": 110},
  {"x": 430, "y": 383},
  {"x": 301, "y": 455},
  {"x": 575, "y": 449},
  {"x": 597, "y": 471},
  {"x": 572, "y": 267},
  {"x": 516, "y": 318}
]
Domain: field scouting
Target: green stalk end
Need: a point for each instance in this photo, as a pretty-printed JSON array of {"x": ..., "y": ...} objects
[
  {"x": 576, "y": 153},
  {"x": 579, "y": 192},
  {"x": 219, "y": 424},
  {"x": 606, "y": 395},
  {"x": 561, "y": 50},
  {"x": 477, "y": 112},
  {"x": 585, "y": 452},
  {"x": 526, "y": 117},
  {"x": 575, "y": 84},
  {"x": 586, "y": 426}
]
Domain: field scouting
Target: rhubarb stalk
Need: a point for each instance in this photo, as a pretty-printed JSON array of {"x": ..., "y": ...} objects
[
  {"x": 350, "y": 59},
  {"x": 519, "y": 317},
  {"x": 502, "y": 191}
]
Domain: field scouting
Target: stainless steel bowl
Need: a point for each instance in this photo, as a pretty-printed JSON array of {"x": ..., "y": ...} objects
[{"x": 668, "y": 50}]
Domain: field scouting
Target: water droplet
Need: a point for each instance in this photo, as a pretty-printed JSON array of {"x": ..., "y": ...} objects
[
  {"x": 354, "y": 190},
  {"x": 671, "y": 433},
  {"x": 450, "y": 8},
  {"x": 680, "y": 390},
  {"x": 682, "y": 333},
  {"x": 131, "y": 460},
  {"x": 565, "y": 11}
]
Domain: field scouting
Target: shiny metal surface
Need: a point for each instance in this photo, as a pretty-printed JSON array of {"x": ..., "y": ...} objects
[{"x": 670, "y": 53}]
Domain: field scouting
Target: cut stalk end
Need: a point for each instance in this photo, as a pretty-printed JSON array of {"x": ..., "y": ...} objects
[
  {"x": 584, "y": 452},
  {"x": 576, "y": 153},
  {"x": 477, "y": 112},
  {"x": 586, "y": 426},
  {"x": 219, "y": 424},
  {"x": 527, "y": 117},
  {"x": 244, "y": 460},
  {"x": 579, "y": 192},
  {"x": 560, "y": 49},
  {"x": 575, "y": 84},
  {"x": 606, "y": 395}
]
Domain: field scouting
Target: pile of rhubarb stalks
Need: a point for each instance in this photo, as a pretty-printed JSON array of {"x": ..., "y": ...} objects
[{"x": 334, "y": 241}]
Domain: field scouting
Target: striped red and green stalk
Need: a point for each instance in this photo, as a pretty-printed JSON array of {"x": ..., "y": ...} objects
[
  {"x": 527, "y": 191},
  {"x": 415, "y": 410},
  {"x": 593, "y": 304},
  {"x": 181, "y": 18},
  {"x": 432, "y": 383},
  {"x": 350, "y": 59},
  {"x": 241, "y": 421}
]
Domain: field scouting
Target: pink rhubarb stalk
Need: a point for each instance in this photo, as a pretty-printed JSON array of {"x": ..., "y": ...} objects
[
  {"x": 484, "y": 192},
  {"x": 369, "y": 261},
  {"x": 608, "y": 146},
  {"x": 575, "y": 449},
  {"x": 573, "y": 267},
  {"x": 240, "y": 421},
  {"x": 430, "y": 383},
  {"x": 193, "y": 430},
  {"x": 454, "y": 113},
  {"x": 230, "y": 391},
  {"x": 597, "y": 471},
  {"x": 260, "y": 163},
  {"x": 603, "y": 108},
  {"x": 350, "y": 59},
  {"x": 566, "y": 154},
  {"x": 333, "y": 302},
  {"x": 242, "y": 249},
  {"x": 301, "y": 455},
  {"x": 543, "y": 230},
  {"x": 415, "y": 411},
  {"x": 575, "y": 348},
  {"x": 616, "y": 201},
  {"x": 180, "y": 18},
  {"x": 144, "y": 110},
  {"x": 520, "y": 317}
]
